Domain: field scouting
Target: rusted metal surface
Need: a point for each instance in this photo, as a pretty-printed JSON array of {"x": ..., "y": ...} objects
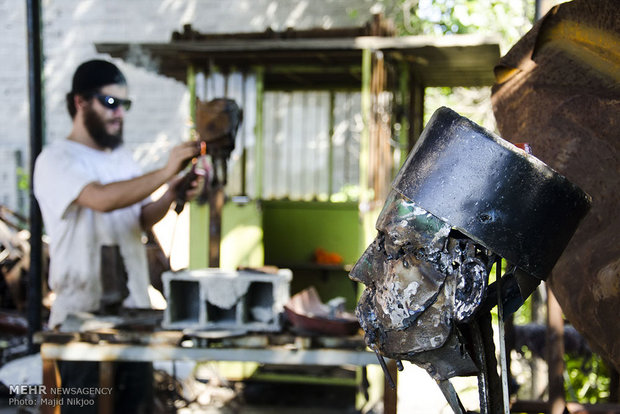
[
  {"x": 323, "y": 58},
  {"x": 558, "y": 88},
  {"x": 217, "y": 122},
  {"x": 113, "y": 280},
  {"x": 377, "y": 26}
]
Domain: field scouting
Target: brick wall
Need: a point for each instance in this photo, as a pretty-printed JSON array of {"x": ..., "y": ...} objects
[{"x": 159, "y": 116}]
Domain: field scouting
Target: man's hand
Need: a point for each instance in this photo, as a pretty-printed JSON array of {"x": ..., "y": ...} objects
[
  {"x": 178, "y": 159},
  {"x": 180, "y": 156},
  {"x": 185, "y": 188},
  {"x": 112, "y": 196}
]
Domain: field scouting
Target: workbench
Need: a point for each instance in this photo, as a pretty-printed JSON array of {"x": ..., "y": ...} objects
[{"x": 110, "y": 345}]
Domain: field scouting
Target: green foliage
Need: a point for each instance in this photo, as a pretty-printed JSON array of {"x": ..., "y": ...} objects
[
  {"x": 508, "y": 19},
  {"x": 586, "y": 379},
  {"x": 23, "y": 179}
]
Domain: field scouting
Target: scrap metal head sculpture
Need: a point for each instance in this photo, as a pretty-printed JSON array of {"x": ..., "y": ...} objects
[
  {"x": 463, "y": 198},
  {"x": 217, "y": 122}
]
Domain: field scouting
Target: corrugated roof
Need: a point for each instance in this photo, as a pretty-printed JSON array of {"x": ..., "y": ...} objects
[{"x": 322, "y": 58}]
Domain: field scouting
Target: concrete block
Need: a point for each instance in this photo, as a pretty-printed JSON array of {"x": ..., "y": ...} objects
[{"x": 220, "y": 299}]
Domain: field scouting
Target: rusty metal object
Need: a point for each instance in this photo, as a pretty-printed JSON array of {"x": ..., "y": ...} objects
[
  {"x": 113, "y": 280},
  {"x": 307, "y": 313},
  {"x": 217, "y": 122},
  {"x": 463, "y": 200},
  {"x": 558, "y": 88}
]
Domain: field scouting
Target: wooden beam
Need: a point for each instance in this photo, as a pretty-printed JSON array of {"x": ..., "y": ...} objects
[
  {"x": 555, "y": 354},
  {"x": 416, "y": 109},
  {"x": 259, "y": 159},
  {"x": 366, "y": 120}
]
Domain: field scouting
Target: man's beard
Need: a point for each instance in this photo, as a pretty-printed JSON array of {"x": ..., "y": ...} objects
[{"x": 96, "y": 127}]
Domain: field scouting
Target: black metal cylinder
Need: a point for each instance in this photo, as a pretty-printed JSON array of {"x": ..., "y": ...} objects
[{"x": 495, "y": 193}]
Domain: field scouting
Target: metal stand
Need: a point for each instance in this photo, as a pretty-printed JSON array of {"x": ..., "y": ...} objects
[
  {"x": 502, "y": 339},
  {"x": 484, "y": 352}
]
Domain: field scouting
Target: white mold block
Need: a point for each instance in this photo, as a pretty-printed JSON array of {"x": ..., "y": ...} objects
[{"x": 220, "y": 299}]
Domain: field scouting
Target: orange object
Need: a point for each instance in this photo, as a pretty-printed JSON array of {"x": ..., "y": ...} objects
[{"x": 322, "y": 256}]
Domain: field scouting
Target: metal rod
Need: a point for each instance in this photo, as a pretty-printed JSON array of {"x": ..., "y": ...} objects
[
  {"x": 481, "y": 361},
  {"x": 502, "y": 339},
  {"x": 384, "y": 367},
  {"x": 451, "y": 396},
  {"x": 35, "y": 84}
]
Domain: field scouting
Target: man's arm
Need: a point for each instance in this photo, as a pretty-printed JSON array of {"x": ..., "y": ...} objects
[
  {"x": 120, "y": 194},
  {"x": 156, "y": 210}
]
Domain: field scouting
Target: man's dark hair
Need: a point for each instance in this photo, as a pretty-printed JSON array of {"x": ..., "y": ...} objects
[{"x": 91, "y": 76}]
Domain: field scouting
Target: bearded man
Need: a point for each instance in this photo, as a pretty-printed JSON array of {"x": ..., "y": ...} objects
[{"x": 93, "y": 196}]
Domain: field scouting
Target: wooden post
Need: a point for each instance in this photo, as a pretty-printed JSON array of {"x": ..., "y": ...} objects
[
  {"x": 555, "y": 354},
  {"x": 258, "y": 132},
  {"x": 416, "y": 110},
  {"x": 390, "y": 396},
  {"x": 366, "y": 118},
  {"x": 51, "y": 379},
  {"x": 404, "y": 101},
  {"x": 107, "y": 372},
  {"x": 216, "y": 205}
]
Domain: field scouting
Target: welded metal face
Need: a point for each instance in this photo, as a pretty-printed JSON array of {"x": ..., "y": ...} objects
[
  {"x": 463, "y": 198},
  {"x": 420, "y": 278}
]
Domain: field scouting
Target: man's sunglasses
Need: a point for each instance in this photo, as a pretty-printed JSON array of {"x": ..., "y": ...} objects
[{"x": 112, "y": 102}]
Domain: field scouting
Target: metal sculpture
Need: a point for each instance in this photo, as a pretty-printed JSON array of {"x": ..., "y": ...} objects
[{"x": 463, "y": 200}]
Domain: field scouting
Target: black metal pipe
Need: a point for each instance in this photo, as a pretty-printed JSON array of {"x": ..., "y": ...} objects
[{"x": 35, "y": 86}]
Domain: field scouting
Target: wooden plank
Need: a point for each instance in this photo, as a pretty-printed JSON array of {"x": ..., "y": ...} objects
[
  {"x": 112, "y": 336},
  {"x": 456, "y": 42}
]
